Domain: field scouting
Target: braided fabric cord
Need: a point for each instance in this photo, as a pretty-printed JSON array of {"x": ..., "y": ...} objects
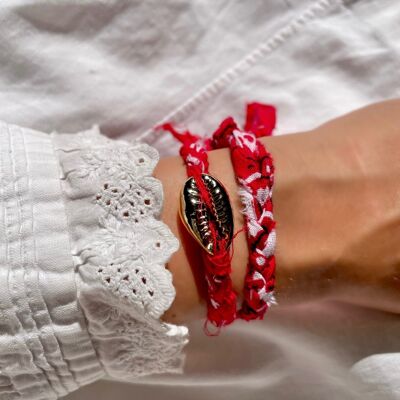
[{"x": 254, "y": 170}]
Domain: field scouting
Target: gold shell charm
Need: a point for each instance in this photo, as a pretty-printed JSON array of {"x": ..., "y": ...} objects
[{"x": 198, "y": 217}]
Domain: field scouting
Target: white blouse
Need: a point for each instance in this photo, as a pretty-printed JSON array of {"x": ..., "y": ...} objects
[
  {"x": 128, "y": 65},
  {"x": 83, "y": 278}
]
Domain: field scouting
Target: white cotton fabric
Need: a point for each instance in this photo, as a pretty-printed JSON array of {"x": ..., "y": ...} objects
[
  {"x": 82, "y": 274},
  {"x": 45, "y": 348},
  {"x": 120, "y": 249},
  {"x": 127, "y": 65}
]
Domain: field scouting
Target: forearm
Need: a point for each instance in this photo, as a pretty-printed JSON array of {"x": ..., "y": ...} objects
[{"x": 336, "y": 203}]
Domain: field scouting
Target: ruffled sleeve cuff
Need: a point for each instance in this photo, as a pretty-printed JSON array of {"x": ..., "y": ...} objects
[{"x": 120, "y": 249}]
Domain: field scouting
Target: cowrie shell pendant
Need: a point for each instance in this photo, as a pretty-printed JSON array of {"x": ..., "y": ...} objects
[{"x": 198, "y": 217}]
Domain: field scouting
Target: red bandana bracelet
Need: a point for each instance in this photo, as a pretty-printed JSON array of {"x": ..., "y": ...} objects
[
  {"x": 221, "y": 300},
  {"x": 254, "y": 171}
]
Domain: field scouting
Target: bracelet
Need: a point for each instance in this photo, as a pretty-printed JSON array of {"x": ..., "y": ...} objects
[
  {"x": 254, "y": 170},
  {"x": 206, "y": 213}
]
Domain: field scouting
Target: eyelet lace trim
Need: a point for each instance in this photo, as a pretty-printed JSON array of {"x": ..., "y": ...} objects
[{"x": 124, "y": 287}]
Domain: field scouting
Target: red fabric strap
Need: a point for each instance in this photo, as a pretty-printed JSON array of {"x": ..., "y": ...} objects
[
  {"x": 254, "y": 171},
  {"x": 221, "y": 300}
]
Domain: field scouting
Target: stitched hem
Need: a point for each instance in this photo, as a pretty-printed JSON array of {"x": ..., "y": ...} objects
[{"x": 229, "y": 76}]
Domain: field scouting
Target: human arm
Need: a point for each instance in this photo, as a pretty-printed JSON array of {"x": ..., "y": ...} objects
[{"x": 337, "y": 206}]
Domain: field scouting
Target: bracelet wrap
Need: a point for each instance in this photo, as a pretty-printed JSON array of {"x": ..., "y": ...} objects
[
  {"x": 254, "y": 170},
  {"x": 206, "y": 213},
  {"x": 217, "y": 236}
]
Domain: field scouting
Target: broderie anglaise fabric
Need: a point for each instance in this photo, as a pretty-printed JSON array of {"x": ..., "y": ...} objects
[{"x": 120, "y": 250}]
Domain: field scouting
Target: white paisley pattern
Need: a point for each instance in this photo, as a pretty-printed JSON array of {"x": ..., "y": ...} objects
[{"x": 120, "y": 250}]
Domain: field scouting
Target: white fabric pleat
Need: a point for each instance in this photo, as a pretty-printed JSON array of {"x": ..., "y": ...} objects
[{"x": 45, "y": 349}]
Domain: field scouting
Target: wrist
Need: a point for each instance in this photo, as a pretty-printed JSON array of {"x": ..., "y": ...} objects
[{"x": 304, "y": 253}]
